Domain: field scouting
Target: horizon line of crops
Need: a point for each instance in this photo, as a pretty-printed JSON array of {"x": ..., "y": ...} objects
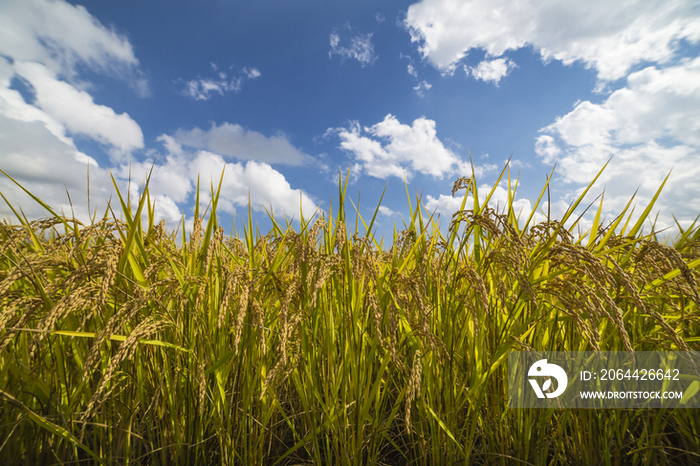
[{"x": 122, "y": 344}]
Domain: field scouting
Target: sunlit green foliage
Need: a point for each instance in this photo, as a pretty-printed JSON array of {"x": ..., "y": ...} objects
[{"x": 121, "y": 343}]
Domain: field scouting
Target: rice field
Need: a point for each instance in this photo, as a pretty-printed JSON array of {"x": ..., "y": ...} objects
[{"x": 316, "y": 343}]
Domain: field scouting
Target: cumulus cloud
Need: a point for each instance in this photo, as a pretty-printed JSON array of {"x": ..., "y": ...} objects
[
  {"x": 491, "y": 70},
  {"x": 45, "y": 45},
  {"x": 173, "y": 182},
  {"x": 77, "y": 111},
  {"x": 608, "y": 37},
  {"x": 47, "y": 166},
  {"x": 447, "y": 205},
  {"x": 387, "y": 212},
  {"x": 650, "y": 127},
  {"x": 232, "y": 140},
  {"x": 394, "y": 149},
  {"x": 359, "y": 47},
  {"x": 62, "y": 36},
  {"x": 390, "y": 148},
  {"x": 259, "y": 182}
]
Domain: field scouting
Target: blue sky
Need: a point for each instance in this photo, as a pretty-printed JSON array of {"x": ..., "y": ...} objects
[{"x": 286, "y": 94}]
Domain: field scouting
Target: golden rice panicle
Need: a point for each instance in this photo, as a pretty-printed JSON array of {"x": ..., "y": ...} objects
[
  {"x": 110, "y": 272},
  {"x": 58, "y": 312},
  {"x": 522, "y": 344},
  {"x": 10, "y": 280},
  {"x": 341, "y": 237},
  {"x": 461, "y": 183},
  {"x": 285, "y": 327},
  {"x": 232, "y": 283},
  {"x": 413, "y": 389},
  {"x": 125, "y": 353},
  {"x": 259, "y": 324},
  {"x": 30, "y": 305},
  {"x": 213, "y": 247},
  {"x": 584, "y": 264},
  {"x": 476, "y": 283},
  {"x": 376, "y": 316},
  {"x": 661, "y": 252},
  {"x": 306, "y": 251},
  {"x": 126, "y": 312},
  {"x": 196, "y": 235},
  {"x": 325, "y": 270},
  {"x": 240, "y": 316},
  {"x": 202, "y": 388}
]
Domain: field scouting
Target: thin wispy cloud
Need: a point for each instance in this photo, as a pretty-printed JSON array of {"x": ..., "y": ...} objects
[
  {"x": 410, "y": 68},
  {"x": 221, "y": 83},
  {"x": 252, "y": 73},
  {"x": 422, "y": 88},
  {"x": 358, "y": 47},
  {"x": 202, "y": 89}
]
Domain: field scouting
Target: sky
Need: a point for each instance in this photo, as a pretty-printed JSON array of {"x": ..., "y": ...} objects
[{"x": 282, "y": 96}]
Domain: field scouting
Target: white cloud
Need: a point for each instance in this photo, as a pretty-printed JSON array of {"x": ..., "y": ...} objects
[
  {"x": 422, "y": 87},
  {"x": 390, "y": 148},
  {"x": 202, "y": 89},
  {"x": 252, "y": 73},
  {"x": 174, "y": 177},
  {"x": 166, "y": 209},
  {"x": 387, "y": 212},
  {"x": 61, "y": 36},
  {"x": 411, "y": 68},
  {"x": 491, "y": 70},
  {"x": 45, "y": 45},
  {"x": 170, "y": 177},
  {"x": 465, "y": 169},
  {"x": 447, "y": 205},
  {"x": 650, "y": 127},
  {"x": 410, "y": 149},
  {"x": 13, "y": 106},
  {"x": 259, "y": 182},
  {"x": 609, "y": 37},
  {"x": 221, "y": 83},
  {"x": 233, "y": 140},
  {"x": 77, "y": 112},
  {"x": 47, "y": 166},
  {"x": 360, "y": 48}
]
